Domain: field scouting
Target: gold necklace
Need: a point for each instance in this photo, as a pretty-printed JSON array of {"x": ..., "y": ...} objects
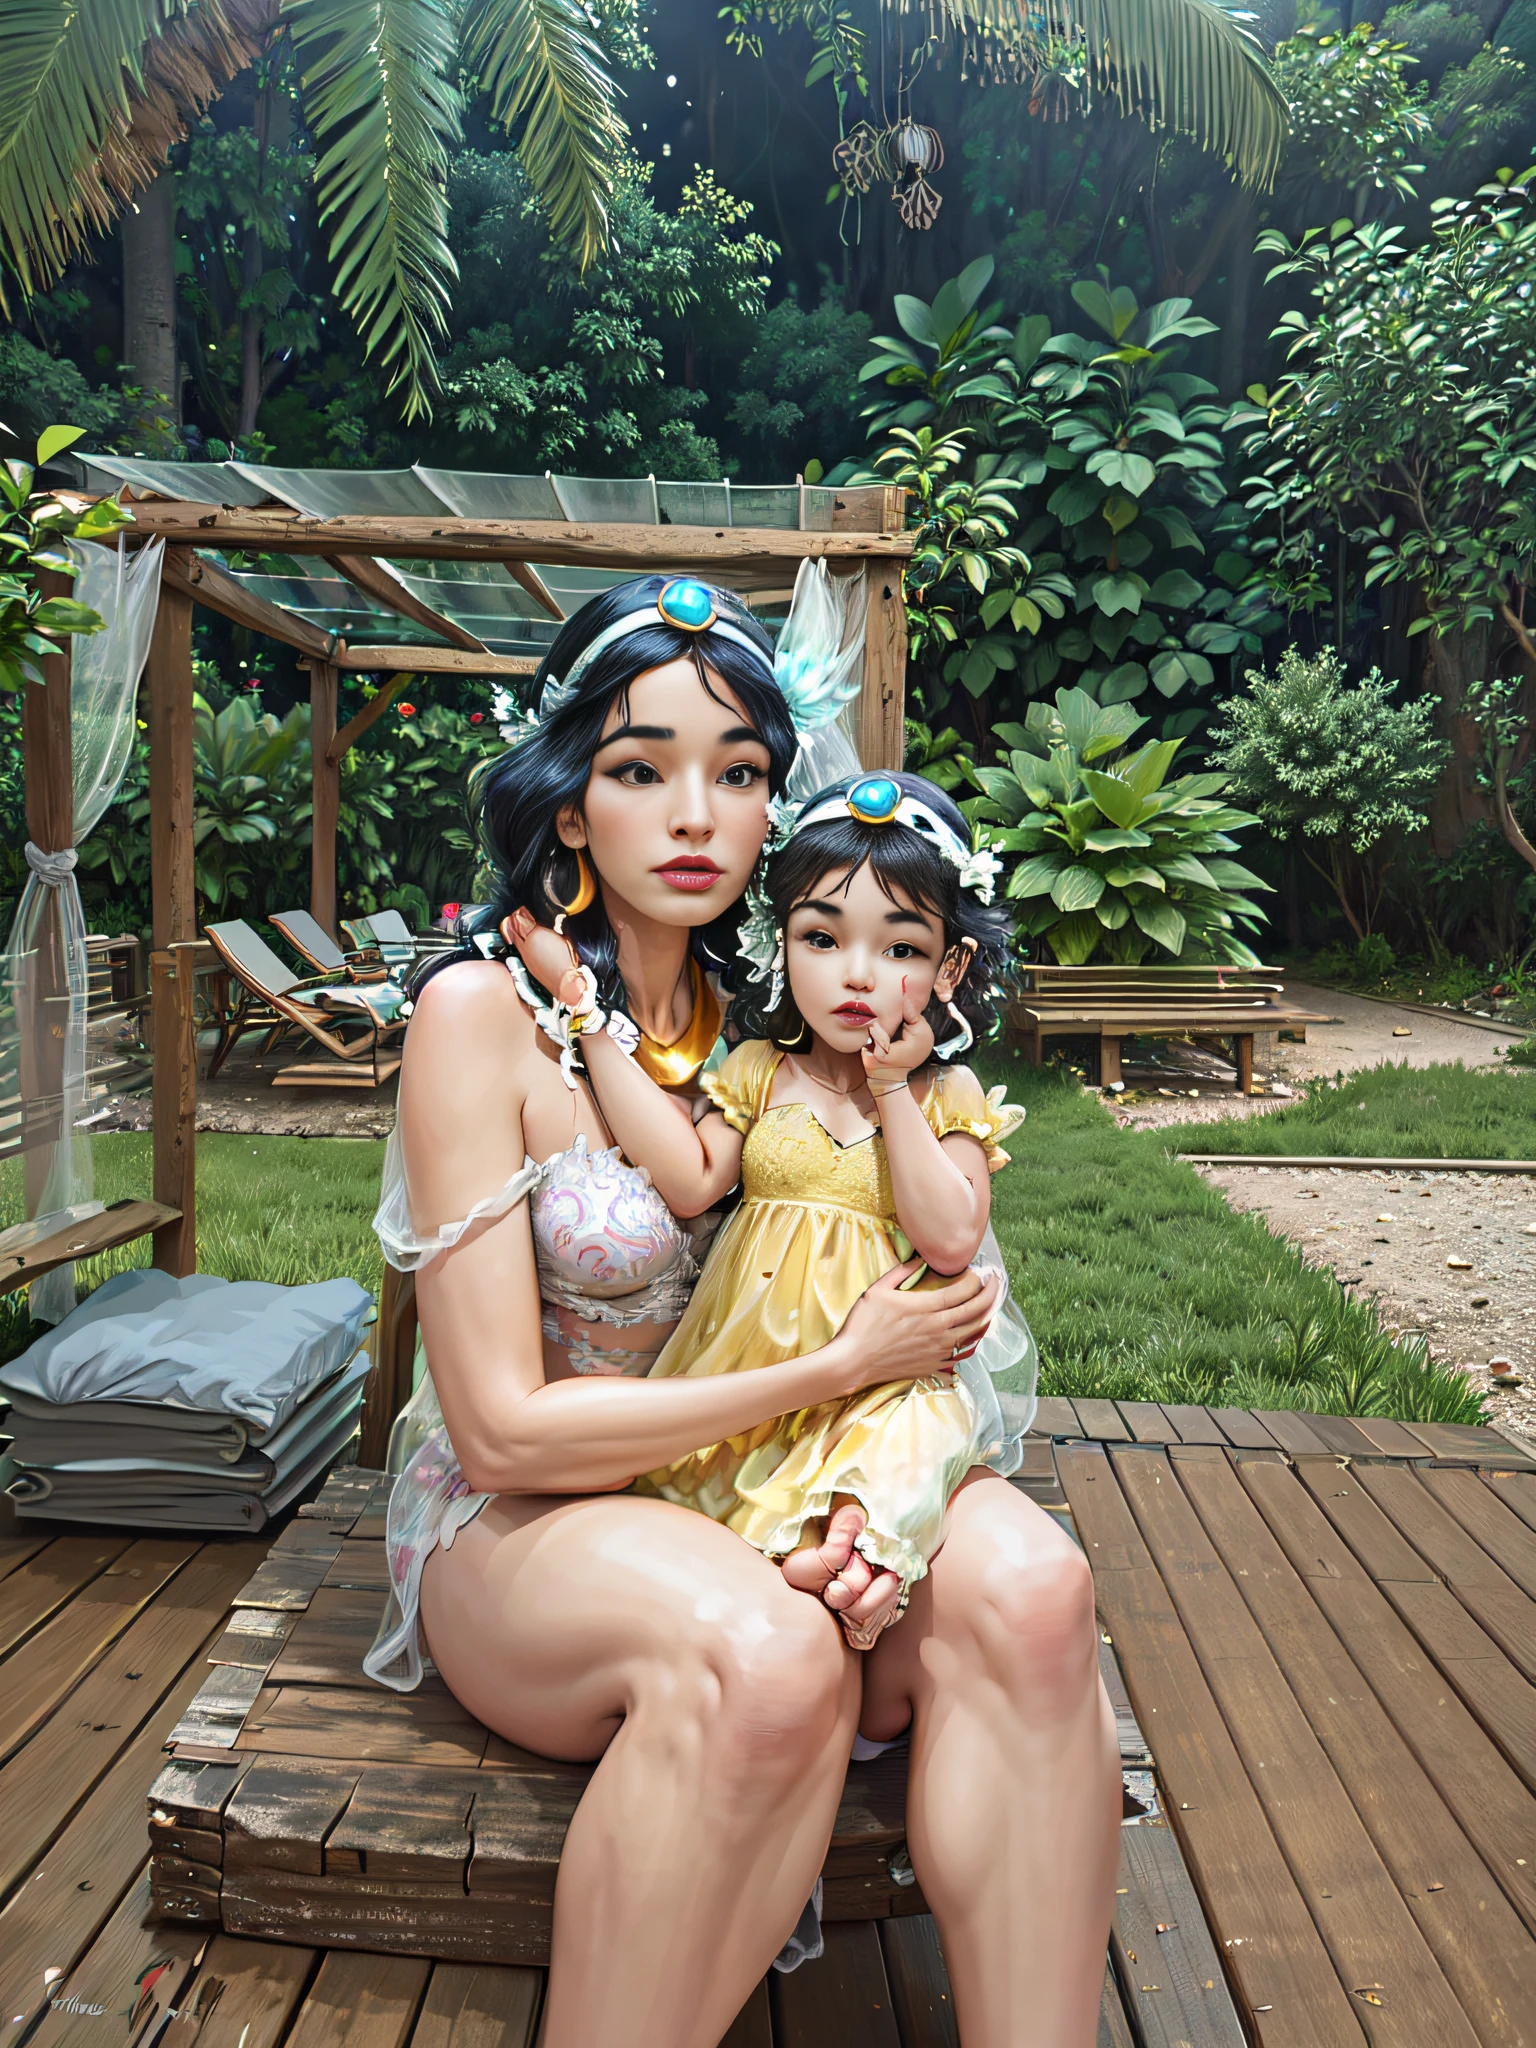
[{"x": 674, "y": 1065}]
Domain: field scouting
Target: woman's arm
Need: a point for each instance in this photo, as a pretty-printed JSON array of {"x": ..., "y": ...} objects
[
  {"x": 692, "y": 1166},
  {"x": 469, "y": 1064}
]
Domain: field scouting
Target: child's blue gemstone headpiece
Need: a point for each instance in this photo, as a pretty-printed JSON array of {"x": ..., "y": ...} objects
[{"x": 881, "y": 800}]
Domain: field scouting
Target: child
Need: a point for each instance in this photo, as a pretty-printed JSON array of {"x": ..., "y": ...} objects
[{"x": 855, "y": 1148}]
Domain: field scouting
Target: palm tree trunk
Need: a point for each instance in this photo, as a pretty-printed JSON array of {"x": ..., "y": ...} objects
[{"x": 149, "y": 298}]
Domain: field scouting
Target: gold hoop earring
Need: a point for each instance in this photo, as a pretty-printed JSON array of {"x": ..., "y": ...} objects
[{"x": 586, "y": 888}]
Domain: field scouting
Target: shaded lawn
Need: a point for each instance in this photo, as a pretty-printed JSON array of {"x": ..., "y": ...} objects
[
  {"x": 1138, "y": 1280},
  {"x": 1387, "y": 1112},
  {"x": 1140, "y": 1283}
]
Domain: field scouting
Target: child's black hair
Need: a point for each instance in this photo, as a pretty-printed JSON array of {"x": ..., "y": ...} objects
[
  {"x": 516, "y": 799},
  {"x": 903, "y": 862}
]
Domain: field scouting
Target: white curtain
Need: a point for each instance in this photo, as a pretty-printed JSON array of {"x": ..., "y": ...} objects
[{"x": 104, "y": 680}]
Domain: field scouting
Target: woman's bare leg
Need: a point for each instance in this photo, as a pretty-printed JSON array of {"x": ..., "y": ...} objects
[
  {"x": 722, "y": 1704},
  {"x": 1013, "y": 1803}
]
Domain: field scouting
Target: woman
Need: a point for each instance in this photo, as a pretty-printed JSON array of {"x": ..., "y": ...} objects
[{"x": 586, "y": 1623}]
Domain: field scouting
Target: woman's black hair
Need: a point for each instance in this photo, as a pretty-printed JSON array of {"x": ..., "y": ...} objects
[
  {"x": 903, "y": 862},
  {"x": 516, "y": 800}
]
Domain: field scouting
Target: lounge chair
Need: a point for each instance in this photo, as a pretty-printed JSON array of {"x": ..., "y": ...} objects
[
  {"x": 312, "y": 942},
  {"x": 388, "y": 934},
  {"x": 275, "y": 1001}
]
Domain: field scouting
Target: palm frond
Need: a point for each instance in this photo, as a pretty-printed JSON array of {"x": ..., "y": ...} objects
[
  {"x": 377, "y": 79},
  {"x": 1183, "y": 65},
  {"x": 73, "y": 79},
  {"x": 540, "y": 65}
]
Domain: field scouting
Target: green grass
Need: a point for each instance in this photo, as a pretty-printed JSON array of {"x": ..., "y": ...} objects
[
  {"x": 1138, "y": 1280},
  {"x": 285, "y": 1209},
  {"x": 1140, "y": 1283},
  {"x": 1523, "y": 1054},
  {"x": 1388, "y": 1112}
]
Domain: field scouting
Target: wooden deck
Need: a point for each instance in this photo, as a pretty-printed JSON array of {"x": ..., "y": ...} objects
[{"x": 1333, "y": 1655}]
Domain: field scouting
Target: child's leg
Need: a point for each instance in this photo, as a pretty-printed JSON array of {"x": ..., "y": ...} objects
[{"x": 864, "y": 1599}]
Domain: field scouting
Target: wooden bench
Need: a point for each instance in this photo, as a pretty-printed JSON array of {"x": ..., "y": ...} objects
[{"x": 1114, "y": 1003}]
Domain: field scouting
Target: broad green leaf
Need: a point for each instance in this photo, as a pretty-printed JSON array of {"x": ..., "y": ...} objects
[
  {"x": 1116, "y": 799},
  {"x": 1030, "y": 336},
  {"x": 1162, "y": 923},
  {"x": 1114, "y": 593},
  {"x": 1114, "y": 842},
  {"x": 1123, "y": 682},
  {"x": 1112, "y": 911},
  {"x": 1077, "y": 888},
  {"x": 1119, "y": 511},
  {"x": 916, "y": 318},
  {"x": 54, "y": 440},
  {"x": 1176, "y": 587},
  {"x": 1074, "y": 939},
  {"x": 1035, "y": 876}
]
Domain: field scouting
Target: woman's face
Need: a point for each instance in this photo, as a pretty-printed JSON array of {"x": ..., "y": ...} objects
[
  {"x": 676, "y": 810},
  {"x": 852, "y": 954}
]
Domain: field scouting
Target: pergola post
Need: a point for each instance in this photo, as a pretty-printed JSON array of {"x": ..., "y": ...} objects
[
  {"x": 883, "y": 698},
  {"x": 173, "y": 894},
  {"x": 325, "y": 793},
  {"x": 43, "y": 1002}
]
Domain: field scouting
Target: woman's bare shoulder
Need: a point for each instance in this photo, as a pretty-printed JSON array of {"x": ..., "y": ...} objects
[{"x": 468, "y": 1018}]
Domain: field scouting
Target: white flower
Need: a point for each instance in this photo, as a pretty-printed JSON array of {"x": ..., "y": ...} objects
[
  {"x": 514, "y": 725},
  {"x": 781, "y": 823},
  {"x": 760, "y": 939},
  {"x": 979, "y": 871}
]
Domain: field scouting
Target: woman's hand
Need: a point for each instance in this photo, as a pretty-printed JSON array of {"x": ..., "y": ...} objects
[
  {"x": 548, "y": 956},
  {"x": 894, "y": 1336},
  {"x": 890, "y": 1062}
]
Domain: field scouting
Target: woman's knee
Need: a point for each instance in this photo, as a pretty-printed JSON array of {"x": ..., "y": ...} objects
[
  {"x": 1029, "y": 1613},
  {"x": 775, "y": 1689}
]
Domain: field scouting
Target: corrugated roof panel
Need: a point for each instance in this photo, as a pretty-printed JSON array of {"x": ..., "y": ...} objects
[
  {"x": 488, "y": 494},
  {"x": 346, "y": 493}
]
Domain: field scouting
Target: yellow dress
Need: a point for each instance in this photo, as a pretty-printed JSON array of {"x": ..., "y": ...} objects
[{"x": 814, "y": 1230}]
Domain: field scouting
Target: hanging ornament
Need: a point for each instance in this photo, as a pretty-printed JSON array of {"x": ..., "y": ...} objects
[
  {"x": 856, "y": 159},
  {"x": 911, "y": 151}
]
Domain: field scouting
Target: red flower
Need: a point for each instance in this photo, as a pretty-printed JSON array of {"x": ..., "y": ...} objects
[
  {"x": 450, "y": 910},
  {"x": 477, "y": 718},
  {"x": 407, "y": 710}
]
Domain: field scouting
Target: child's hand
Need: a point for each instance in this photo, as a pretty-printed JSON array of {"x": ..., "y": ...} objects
[
  {"x": 864, "y": 1600},
  {"x": 889, "y": 1061},
  {"x": 548, "y": 956}
]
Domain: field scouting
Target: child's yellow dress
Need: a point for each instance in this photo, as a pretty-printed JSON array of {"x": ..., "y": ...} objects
[{"x": 817, "y": 1225}]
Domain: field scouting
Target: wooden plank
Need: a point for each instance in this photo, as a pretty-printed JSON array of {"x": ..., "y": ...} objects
[
  {"x": 1241, "y": 1426},
  {"x": 1486, "y": 1519},
  {"x": 1388, "y": 1437},
  {"x": 1194, "y": 1425},
  {"x": 129, "y": 1978},
  {"x": 343, "y": 1497},
  {"x": 360, "y": 1564},
  {"x": 1485, "y": 1953},
  {"x": 1134, "y": 1752},
  {"x": 1290, "y": 1430},
  {"x": 882, "y": 705},
  {"x": 1517, "y": 1490},
  {"x": 193, "y": 576},
  {"x": 361, "y": 2002},
  {"x": 1147, "y": 1422},
  {"x": 753, "y": 2025},
  {"x": 385, "y": 1915},
  {"x": 64, "y": 1649},
  {"x": 414, "y": 1728},
  {"x": 1342, "y": 1436},
  {"x": 1463, "y": 1440},
  {"x": 1114, "y": 2027},
  {"x": 372, "y": 1524},
  {"x": 224, "y": 1701},
  {"x": 415, "y": 1828},
  {"x": 841, "y": 1998},
  {"x": 1100, "y": 1422},
  {"x": 384, "y": 585},
  {"x": 172, "y": 982},
  {"x": 1054, "y": 1417},
  {"x": 1489, "y": 1595},
  {"x": 24, "y": 1256},
  {"x": 254, "y": 1638},
  {"x": 1365, "y": 1923},
  {"x": 519, "y": 1827},
  {"x": 1286, "y": 1984},
  {"x": 286, "y": 1579},
  {"x": 279, "y": 1815},
  {"x": 1493, "y": 1808},
  {"x": 919, "y": 1983},
  {"x": 194, "y": 1795},
  {"x": 245, "y": 1992},
  {"x": 485, "y": 2007},
  {"x": 16, "y": 1550},
  {"x": 329, "y": 1641},
  {"x": 67, "y": 1755},
  {"x": 1174, "y": 1990},
  {"x": 325, "y": 794},
  {"x": 42, "y": 1585},
  {"x": 745, "y": 558},
  {"x": 55, "y": 1915},
  {"x": 435, "y": 661}
]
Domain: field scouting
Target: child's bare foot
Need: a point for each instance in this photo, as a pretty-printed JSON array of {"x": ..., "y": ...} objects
[{"x": 864, "y": 1600}]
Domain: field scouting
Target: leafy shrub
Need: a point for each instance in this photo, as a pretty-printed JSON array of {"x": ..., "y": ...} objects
[
  {"x": 1523, "y": 1054},
  {"x": 1333, "y": 765},
  {"x": 1118, "y": 862}
]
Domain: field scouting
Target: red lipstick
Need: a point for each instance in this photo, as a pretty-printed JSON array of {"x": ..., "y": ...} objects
[
  {"x": 692, "y": 872},
  {"x": 858, "y": 1014}
]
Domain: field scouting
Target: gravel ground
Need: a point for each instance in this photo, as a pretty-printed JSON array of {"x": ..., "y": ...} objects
[{"x": 1396, "y": 1236}]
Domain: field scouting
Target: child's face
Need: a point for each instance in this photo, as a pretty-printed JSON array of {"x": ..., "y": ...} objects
[{"x": 852, "y": 952}]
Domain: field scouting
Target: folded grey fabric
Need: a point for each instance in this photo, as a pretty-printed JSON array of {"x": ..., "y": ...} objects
[{"x": 246, "y": 1348}]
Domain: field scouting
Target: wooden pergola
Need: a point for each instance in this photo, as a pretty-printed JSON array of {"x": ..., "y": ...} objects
[{"x": 865, "y": 532}]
